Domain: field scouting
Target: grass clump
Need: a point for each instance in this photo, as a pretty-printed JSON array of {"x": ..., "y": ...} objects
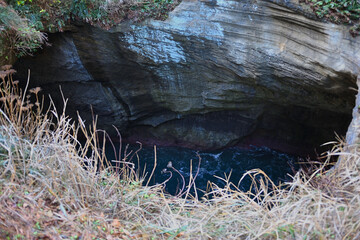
[{"x": 53, "y": 187}]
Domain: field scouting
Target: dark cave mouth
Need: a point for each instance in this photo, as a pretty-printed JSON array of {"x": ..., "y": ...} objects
[
  {"x": 291, "y": 129},
  {"x": 278, "y": 159}
]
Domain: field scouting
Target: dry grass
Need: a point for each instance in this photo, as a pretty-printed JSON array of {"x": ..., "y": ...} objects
[{"x": 52, "y": 188}]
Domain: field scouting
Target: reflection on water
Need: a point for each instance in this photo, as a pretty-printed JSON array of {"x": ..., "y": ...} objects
[{"x": 216, "y": 163}]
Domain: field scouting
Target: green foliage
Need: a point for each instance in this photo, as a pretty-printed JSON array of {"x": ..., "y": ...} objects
[
  {"x": 53, "y": 15},
  {"x": 157, "y": 9},
  {"x": 22, "y": 21},
  {"x": 88, "y": 10},
  {"x": 18, "y": 37},
  {"x": 338, "y": 11},
  {"x": 43, "y": 15}
]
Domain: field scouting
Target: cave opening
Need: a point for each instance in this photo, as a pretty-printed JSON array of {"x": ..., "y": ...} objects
[{"x": 235, "y": 126}]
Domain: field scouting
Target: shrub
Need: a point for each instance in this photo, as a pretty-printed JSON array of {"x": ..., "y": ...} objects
[
  {"x": 22, "y": 21},
  {"x": 53, "y": 15},
  {"x": 338, "y": 11},
  {"x": 18, "y": 37}
]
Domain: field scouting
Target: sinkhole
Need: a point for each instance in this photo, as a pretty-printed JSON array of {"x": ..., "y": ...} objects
[{"x": 238, "y": 118}]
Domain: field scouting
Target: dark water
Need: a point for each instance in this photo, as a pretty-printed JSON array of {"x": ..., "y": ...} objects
[{"x": 216, "y": 163}]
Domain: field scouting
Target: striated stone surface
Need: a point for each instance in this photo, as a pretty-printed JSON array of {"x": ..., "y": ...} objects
[
  {"x": 215, "y": 73},
  {"x": 352, "y": 141},
  {"x": 353, "y": 132}
]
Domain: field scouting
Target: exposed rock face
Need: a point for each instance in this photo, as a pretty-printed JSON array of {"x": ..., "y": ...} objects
[
  {"x": 216, "y": 73},
  {"x": 352, "y": 143},
  {"x": 353, "y": 132}
]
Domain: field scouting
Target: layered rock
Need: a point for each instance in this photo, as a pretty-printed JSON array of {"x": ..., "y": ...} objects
[
  {"x": 215, "y": 73},
  {"x": 353, "y": 132}
]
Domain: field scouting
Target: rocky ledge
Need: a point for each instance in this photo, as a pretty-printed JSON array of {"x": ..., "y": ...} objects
[{"x": 216, "y": 73}]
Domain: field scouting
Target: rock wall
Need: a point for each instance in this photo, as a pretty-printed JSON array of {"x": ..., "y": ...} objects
[
  {"x": 215, "y": 73},
  {"x": 353, "y": 132}
]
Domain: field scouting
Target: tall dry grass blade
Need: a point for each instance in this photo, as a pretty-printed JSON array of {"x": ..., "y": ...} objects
[{"x": 153, "y": 170}]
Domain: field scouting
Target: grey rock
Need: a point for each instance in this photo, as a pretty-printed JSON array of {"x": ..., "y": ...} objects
[
  {"x": 353, "y": 132},
  {"x": 216, "y": 73}
]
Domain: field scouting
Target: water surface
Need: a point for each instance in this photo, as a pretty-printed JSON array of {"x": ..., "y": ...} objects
[{"x": 219, "y": 163}]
